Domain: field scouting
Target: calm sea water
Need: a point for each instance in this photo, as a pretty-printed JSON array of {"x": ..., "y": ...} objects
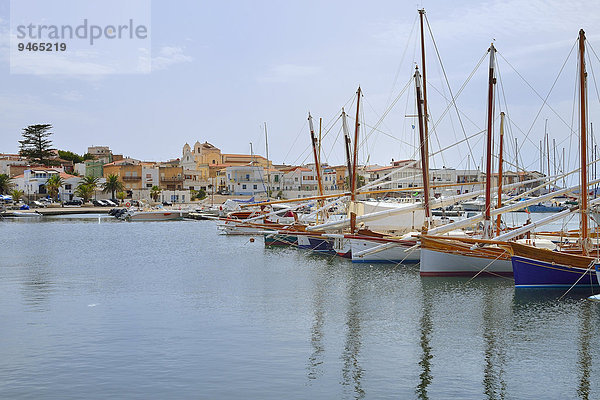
[{"x": 101, "y": 309}]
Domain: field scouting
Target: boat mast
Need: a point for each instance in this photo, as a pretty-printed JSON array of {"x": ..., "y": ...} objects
[
  {"x": 423, "y": 127},
  {"x": 355, "y": 154},
  {"x": 348, "y": 144},
  {"x": 316, "y": 156},
  {"x": 548, "y": 154},
  {"x": 424, "y": 154},
  {"x": 488, "y": 168},
  {"x": 268, "y": 168},
  {"x": 500, "y": 161},
  {"x": 583, "y": 205},
  {"x": 424, "y": 84}
]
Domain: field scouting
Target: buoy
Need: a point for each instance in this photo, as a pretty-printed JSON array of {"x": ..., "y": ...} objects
[
  {"x": 251, "y": 240},
  {"x": 128, "y": 204}
]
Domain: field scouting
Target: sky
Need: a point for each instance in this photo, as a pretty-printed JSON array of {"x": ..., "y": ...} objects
[{"x": 221, "y": 70}]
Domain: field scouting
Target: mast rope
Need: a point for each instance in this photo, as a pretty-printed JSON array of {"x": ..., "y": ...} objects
[{"x": 448, "y": 83}]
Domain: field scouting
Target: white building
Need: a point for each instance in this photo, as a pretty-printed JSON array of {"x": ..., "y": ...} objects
[
  {"x": 33, "y": 182},
  {"x": 6, "y": 160}
]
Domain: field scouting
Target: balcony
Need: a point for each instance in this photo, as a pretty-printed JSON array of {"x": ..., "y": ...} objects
[
  {"x": 131, "y": 178},
  {"x": 172, "y": 179}
]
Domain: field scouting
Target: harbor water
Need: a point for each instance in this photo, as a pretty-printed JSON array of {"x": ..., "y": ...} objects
[{"x": 95, "y": 308}]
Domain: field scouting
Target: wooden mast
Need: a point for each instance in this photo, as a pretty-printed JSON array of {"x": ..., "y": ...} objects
[
  {"x": 316, "y": 156},
  {"x": 583, "y": 205},
  {"x": 500, "y": 162},
  {"x": 424, "y": 128},
  {"x": 355, "y": 154},
  {"x": 424, "y": 154},
  {"x": 424, "y": 84},
  {"x": 347, "y": 146},
  {"x": 268, "y": 168},
  {"x": 488, "y": 165}
]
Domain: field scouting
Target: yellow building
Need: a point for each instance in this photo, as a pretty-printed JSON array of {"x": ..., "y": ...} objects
[
  {"x": 170, "y": 177},
  {"x": 128, "y": 170}
]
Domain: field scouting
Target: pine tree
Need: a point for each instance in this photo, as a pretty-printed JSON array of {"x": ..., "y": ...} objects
[{"x": 35, "y": 144}]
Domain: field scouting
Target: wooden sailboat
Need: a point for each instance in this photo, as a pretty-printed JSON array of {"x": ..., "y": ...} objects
[
  {"x": 457, "y": 256},
  {"x": 405, "y": 249},
  {"x": 535, "y": 267}
]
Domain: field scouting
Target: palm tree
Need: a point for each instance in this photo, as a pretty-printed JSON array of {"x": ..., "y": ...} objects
[
  {"x": 53, "y": 185},
  {"x": 5, "y": 183},
  {"x": 16, "y": 194},
  {"x": 91, "y": 181},
  {"x": 85, "y": 191},
  {"x": 112, "y": 185},
  {"x": 155, "y": 192}
]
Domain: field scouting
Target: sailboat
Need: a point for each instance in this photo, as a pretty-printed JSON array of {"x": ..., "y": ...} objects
[
  {"x": 534, "y": 267},
  {"x": 460, "y": 255}
]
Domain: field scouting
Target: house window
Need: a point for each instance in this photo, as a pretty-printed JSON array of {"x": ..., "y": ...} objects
[
  {"x": 247, "y": 177},
  {"x": 254, "y": 187},
  {"x": 67, "y": 187},
  {"x": 148, "y": 185},
  {"x": 243, "y": 186}
]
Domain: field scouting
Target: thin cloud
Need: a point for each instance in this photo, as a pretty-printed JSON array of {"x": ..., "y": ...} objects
[
  {"x": 169, "y": 56},
  {"x": 288, "y": 72}
]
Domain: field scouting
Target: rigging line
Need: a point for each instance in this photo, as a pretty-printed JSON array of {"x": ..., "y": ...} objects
[
  {"x": 459, "y": 92},
  {"x": 387, "y": 111},
  {"x": 410, "y": 35},
  {"x": 508, "y": 125},
  {"x": 590, "y": 65},
  {"x": 447, "y": 82},
  {"x": 439, "y": 120},
  {"x": 451, "y": 120},
  {"x": 457, "y": 143},
  {"x": 332, "y": 147},
  {"x": 544, "y": 100},
  {"x": 295, "y": 140},
  {"x": 375, "y": 129}
]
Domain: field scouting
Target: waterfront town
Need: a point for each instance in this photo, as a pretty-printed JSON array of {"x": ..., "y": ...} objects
[{"x": 205, "y": 168}]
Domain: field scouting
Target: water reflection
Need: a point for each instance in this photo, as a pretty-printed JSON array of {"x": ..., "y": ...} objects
[
  {"x": 495, "y": 354},
  {"x": 37, "y": 286},
  {"x": 426, "y": 326},
  {"x": 585, "y": 359},
  {"x": 315, "y": 359},
  {"x": 352, "y": 371}
]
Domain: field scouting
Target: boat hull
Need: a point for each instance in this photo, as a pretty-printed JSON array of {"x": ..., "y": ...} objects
[
  {"x": 280, "y": 240},
  {"x": 156, "y": 216},
  {"x": 316, "y": 243},
  {"x": 530, "y": 273},
  {"x": 401, "y": 253},
  {"x": 437, "y": 263}
]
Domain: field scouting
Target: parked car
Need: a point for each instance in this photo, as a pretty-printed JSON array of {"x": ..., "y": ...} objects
[
  {"x": 167, "y": 203},
  {"x": 100, "y": 203},
  {"x": 73, "y": 203},
  {"x": 224, "y": 192},
  {"x": 38, "y": 204},
  {"x": 111, "y": 203}
]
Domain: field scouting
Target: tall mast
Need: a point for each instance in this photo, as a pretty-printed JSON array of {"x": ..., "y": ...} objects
[
  {"x": 355, "y": 154},
  {"x": 424, "y": 152},
  {"x": 584, "y": 187},
  {"x": 348, "y": 144},
  {"x": 548, "y": 154},
  {"x": 488, "y": 164},
  {"x": 517, "y": 161},
  {"x": 316, "y": 156},
  {"x": 424, "y": 129},
  {"x": 268, "y": 168},
  {"x": 500, "y": 161},
  {"x": 424, "y": 83}
]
